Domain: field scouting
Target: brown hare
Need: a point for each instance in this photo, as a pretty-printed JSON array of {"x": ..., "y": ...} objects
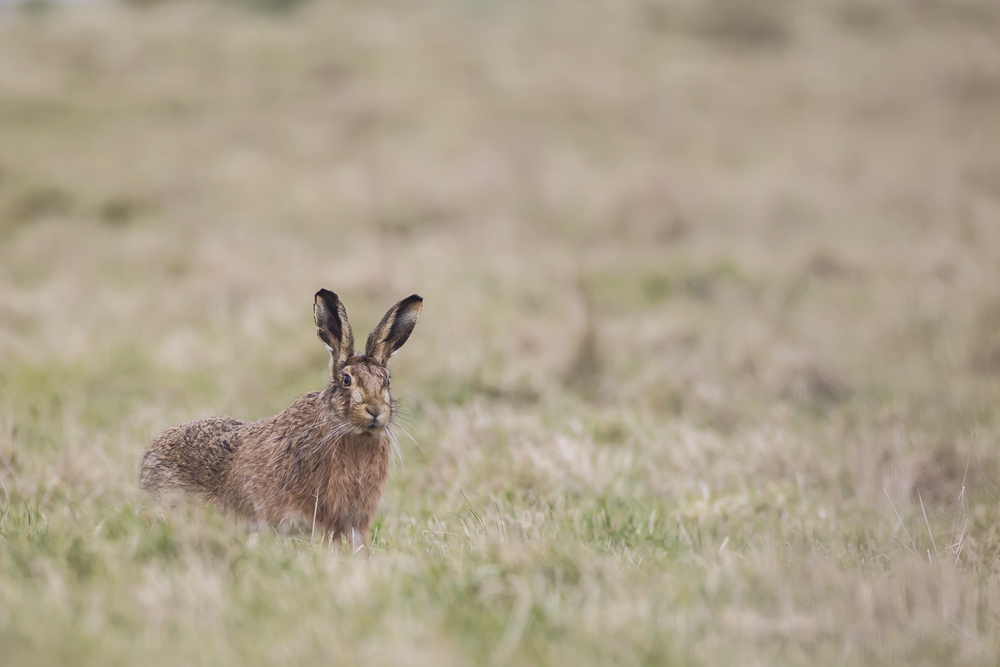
[{"x": 323, "y": 462}]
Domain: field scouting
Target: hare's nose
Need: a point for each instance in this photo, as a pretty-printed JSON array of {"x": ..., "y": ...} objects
[{"x": 373, "y": 410}]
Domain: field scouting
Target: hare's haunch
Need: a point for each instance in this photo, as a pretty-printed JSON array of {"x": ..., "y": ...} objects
[{"x": 323, "y": 462}]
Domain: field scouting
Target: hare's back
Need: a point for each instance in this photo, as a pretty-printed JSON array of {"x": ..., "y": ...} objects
[{"x": 190, "y": 457}]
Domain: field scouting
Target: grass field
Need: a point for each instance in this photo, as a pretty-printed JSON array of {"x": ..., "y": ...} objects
[{"x": 711, "y": 323}]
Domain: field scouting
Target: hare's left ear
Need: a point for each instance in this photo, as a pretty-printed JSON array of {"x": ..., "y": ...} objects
[
  {"x": 397, "y": 325},
  {"x": 333, "y": 328}
]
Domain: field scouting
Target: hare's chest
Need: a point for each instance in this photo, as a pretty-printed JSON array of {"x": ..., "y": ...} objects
[{"x": 359, "y": 476}]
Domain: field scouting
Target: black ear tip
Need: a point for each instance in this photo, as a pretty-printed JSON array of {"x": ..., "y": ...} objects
[
  {"x": 327, "y": 295},
  {"x": 413, "y": 298}
]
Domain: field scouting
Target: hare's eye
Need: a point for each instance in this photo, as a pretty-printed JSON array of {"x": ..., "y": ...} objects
[{"x": 346, "y": 380}]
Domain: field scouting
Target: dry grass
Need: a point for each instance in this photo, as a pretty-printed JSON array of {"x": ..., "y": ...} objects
[{"x": 704, "y": 285}]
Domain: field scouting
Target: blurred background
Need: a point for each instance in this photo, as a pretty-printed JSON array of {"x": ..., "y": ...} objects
[{"x": 704, "y": 279}]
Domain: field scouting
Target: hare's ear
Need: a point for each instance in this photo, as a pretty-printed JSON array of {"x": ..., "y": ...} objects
[
  {"x": 334, "y": 329},
  {"x": 397, "y": 325}
]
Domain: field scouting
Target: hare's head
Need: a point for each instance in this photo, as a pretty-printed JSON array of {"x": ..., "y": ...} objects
[{"x": 360, "y": 382}]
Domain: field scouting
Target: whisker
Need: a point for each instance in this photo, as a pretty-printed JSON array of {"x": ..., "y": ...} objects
[
  {"x": 395, "y": 448},
  {"x": 406, "y": 432}
]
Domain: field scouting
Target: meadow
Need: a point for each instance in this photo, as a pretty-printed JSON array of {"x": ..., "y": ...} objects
[{"x": 708, "y": 370}]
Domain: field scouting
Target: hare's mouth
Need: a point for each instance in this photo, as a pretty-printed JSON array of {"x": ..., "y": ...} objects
[{"x": 373, "y": 426}]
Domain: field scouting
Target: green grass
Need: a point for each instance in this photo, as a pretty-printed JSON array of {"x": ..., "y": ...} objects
[{"x": 705, "y": 288}]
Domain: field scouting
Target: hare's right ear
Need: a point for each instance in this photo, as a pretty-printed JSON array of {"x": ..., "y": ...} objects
[
  {"x": 396, "y": 326},
  {"x": 334, "y": 329}
]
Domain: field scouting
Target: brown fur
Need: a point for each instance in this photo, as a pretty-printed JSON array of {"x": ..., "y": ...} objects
[{"x": 323, "y": 462}]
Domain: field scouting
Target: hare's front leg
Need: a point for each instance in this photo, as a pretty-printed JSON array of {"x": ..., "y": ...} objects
[{"x": 357, "y": 538}]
